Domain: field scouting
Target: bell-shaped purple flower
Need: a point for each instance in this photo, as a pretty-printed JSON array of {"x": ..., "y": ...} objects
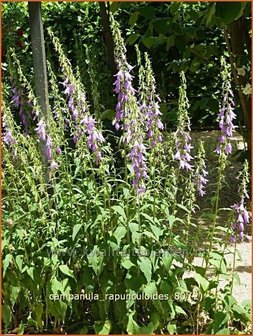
[{"x": 41, "y": 130}]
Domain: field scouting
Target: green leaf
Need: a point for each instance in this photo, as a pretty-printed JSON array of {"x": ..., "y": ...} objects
[
  {"x": 148, "y": 42},
  {"x": 148, "y": 12},
  {"x": 145, "y": 267},
  {"x": 119, "y": 209},
  {"x": 19, "y": 262},
  {"x": 6, "y": 263},
  {"x": 14, "y": 294},
  {"x": 224, "y": 331},
  {"x": 119, "y": 233},
  {"x": 180, "y": 42},
  {"x": 183, "y": 208},
  {"x": 103, "y": 328},
  {"x": 114, "y": 6},
  {"x": 229, "y": 12},
  {"x": 157, "y": 231},
  {"x": 202, "y": 282},
  {"x": 170, "y": 42},
  {"x": 210, "y": 13},
  {"x": 174, "y": 7},
  {"x": 6, "y": 314},
  {"x": 167, "y": 261},
  {"x": 133, "y": 19},
  {"x": 127, "y": 263},
  {"x": 161, "y": 26},
  {"x": 39, "y": 312},
  {"x": 172, "y": 328},
  {"x": 65, "y": 269},
  {"x": 132, "y": 39},
  {"x": 171, "y": 220},
  {"x": 220, "y": 318},
  {"x": 108, "y": 114},
  {"x": 30, "y": 271},
  {"x": 134, "y": 228},
  {"x": 76, "y": 229},
  {"x": 150, "y": 289},
  {"x": 240, "y": 313},
  {"x": 95, "y": 259}
]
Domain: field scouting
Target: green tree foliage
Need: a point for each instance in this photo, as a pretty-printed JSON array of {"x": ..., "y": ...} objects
[{"x": 179, "y": 37}]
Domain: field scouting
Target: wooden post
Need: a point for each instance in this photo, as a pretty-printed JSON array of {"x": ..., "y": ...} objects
[
  {"x": 108, "y": 36},
  {"x": 39, "y": 57},
  {"x": 40, "y": 70}
]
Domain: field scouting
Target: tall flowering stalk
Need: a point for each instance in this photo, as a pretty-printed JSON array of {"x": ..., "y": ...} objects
[
  {"x": 225, "y": 117},
  {"x": 123, "y": 84},
  {"x": 42, "y": 130},
  {"x": 182, "y": 134},
  {"x": 128, "y": 117},
  {"x": 8, "y": 131},
  {"x": 84, "y": 125},
  {"x": 201, "y": 172},
  {"x": 150, "y": 106},
  {"x": 19, "y": 104},
  {"x": 59, "y": 112},
  {"x": 241, "y": 213},
  {"x": 226, "y": 114}
]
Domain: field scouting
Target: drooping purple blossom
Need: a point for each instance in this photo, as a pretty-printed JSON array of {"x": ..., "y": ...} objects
[
  {"x": 16, "y": 97},
  {"x": 48, "y": 149},
  {"x": 69, "y": 91},
  {"x": 182, "y": 134},
  {"x": 94, "y": 137},
  {"x": 183, "y": 149},
  {"x": 58, "y": 150},
  {"x": 201, "y": 172},
  {"x": 8, "y": 138},
  {"x": 18, "y": 103},
  {"x": 154, "y": 124},
  {"x": 23, "y": 119},
  {"x": 128, "y": 117},
  {"x": 137, "y": 156},
  {"x": 226, "y": 114},
  {"x": 242, "y": 216},
  {"x": 124, "y": 89},
  {"x": 54, "y": 165},
  {"x": 41, "y": 130},
  {"x": 149, "y": 101}
]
